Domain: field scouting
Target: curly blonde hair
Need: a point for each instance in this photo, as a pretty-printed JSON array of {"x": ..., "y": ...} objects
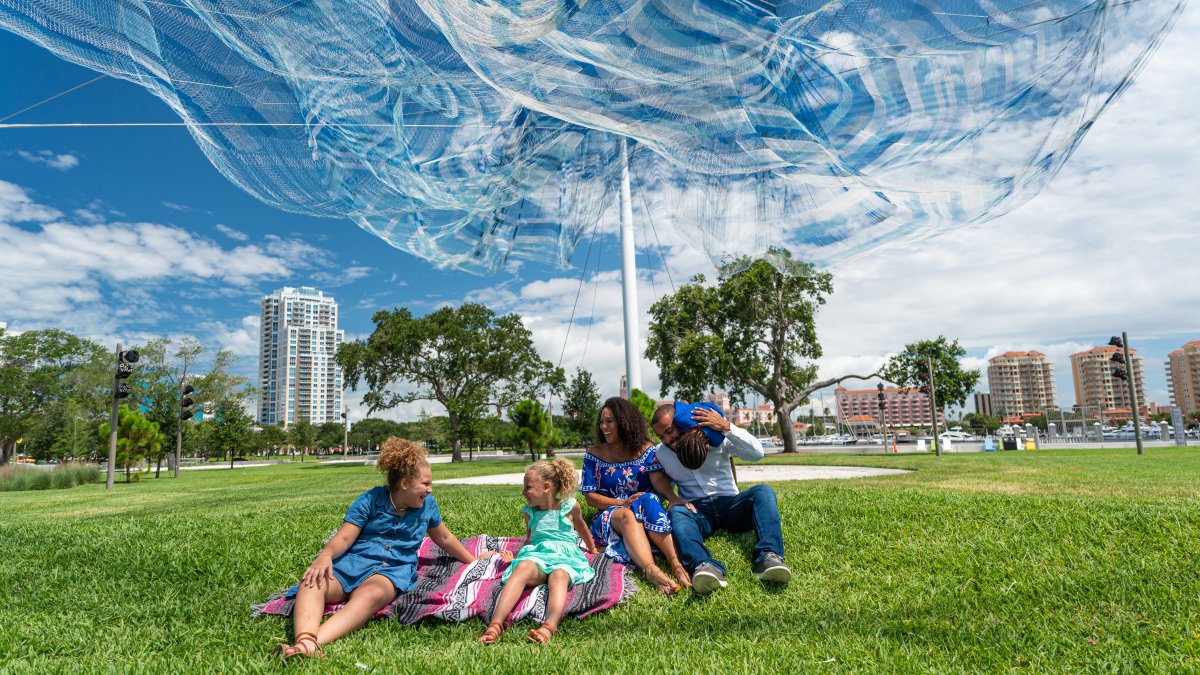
[
  {"x": 400, "y": 459},
  {"x": 559, "y": 472}
]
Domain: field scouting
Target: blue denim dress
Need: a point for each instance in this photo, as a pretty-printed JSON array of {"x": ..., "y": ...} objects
[{"x": 388, "y": 544}]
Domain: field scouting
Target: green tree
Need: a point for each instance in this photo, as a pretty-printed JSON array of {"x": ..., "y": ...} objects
[
  {"x": 981, "y": 424},
  {"x": 137, "y": 438},
  {"x": 371, "y": 432},
  {"x": 273, "y": 436},
  {"x": 642, "y": 401},
  {"x": 581, "y": 406},
  {"x": 231, "y": 425},
  {"x": 910, "y": 368},
  {"x": 754, "y": 330},
  {"x": 303, "y": 436},
  {"x": 532, "y": 426},
  {"x": 465, "y": 358},
  {"x": 329, "y": 435},
  {"x": 41, "y": 372}
]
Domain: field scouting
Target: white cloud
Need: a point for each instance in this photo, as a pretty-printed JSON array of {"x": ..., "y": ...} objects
[
  {"x": 232, "y": 233},
  {"x": 16, "y": 206},
  {"x": 57, "y": 273},
  {"x": 60, "y": 161},
  {"x": 241, "y": 340},
  {"x": 177, "y": 207}
]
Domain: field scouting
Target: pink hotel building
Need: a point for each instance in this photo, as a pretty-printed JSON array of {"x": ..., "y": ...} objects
[{"x": 906, "y": 407}]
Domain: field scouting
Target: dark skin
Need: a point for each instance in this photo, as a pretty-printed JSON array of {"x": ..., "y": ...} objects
[{"x": 637, "y": 539}]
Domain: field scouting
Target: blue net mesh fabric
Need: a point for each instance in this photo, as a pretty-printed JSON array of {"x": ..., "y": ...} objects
[{"x": 469, "y": 132}]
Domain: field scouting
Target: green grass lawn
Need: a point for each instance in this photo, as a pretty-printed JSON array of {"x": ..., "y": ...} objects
[{"x": 1034, "y": 561}]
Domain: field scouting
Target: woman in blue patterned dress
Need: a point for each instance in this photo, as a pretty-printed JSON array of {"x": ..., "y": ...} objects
[{"x": 616, "y": 481}]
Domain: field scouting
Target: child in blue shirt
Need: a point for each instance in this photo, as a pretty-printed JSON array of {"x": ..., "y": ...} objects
[{"x": 373, "y": 556}]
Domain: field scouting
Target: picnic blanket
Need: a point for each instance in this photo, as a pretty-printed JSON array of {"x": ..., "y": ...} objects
[{"x": 450, "y": 590}]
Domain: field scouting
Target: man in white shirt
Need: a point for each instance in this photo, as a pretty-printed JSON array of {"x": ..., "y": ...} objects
[{"x": 709, "y": 500}]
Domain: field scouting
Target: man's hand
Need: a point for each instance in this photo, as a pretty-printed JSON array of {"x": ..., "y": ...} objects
[
  {"x": 712, "y": 419},
  {"x": 680, "y": 502}
]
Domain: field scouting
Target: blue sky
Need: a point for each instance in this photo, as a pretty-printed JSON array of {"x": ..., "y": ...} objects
[{"x": 130, "y": 233}]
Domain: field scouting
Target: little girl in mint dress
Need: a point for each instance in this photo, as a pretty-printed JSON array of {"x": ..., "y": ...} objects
[{"x": 552, "y": 556}]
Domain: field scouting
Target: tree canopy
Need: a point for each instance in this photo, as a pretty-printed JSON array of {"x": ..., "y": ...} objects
[
  {"x": 533, "y": 426},
  {"x": 465, "y": 358},
  {"x": 581, "y": 405},
  {"x": 910, "y": 368},
  {"x": 48, "y": 377},
  {"x": 754, "y": 330}
]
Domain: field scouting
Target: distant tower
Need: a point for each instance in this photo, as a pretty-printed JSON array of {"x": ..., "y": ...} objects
[
  {"x": 1095, "y": 386},
  {"x": 1021, "y": 383},
  {"x": 624, "y": 388},
  {"x": 1183, "y": 377},
  {"x": 298, "y": 376}
]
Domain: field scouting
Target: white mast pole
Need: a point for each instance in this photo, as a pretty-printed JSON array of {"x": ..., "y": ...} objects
[{"x": 633, "y": 370}]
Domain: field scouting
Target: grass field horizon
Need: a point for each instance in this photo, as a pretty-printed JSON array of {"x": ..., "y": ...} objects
[{"x": 1060, "y": 560}]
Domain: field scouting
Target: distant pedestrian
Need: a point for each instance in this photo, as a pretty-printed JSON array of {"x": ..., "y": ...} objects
[{"x": 373, "y": 556}]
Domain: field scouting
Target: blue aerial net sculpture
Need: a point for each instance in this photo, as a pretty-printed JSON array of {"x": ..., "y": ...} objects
[{"x": 468, "y": 132}]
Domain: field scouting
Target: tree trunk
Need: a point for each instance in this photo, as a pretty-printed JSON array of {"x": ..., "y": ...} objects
[
  {"x": 158, "y": 467},
  {"x": 7, "y": 449},
  {"x": 784, "y": 419},
  {"x": 455, "y": 441}
]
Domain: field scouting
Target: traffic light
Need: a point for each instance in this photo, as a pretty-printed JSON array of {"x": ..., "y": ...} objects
[
  {"x": 186, "y": 403},
  {"x": 1118, "y": 358},
  {"x": 882, "y": 402},
  {"x": 1115, "y": 341},
  {"x": 124, "y": 370}
]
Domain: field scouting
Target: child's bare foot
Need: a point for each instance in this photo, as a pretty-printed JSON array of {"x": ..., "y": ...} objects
[
  {"x": 681, "y": 574},
  {"x": 542, "y": 633},
  {"x": 660, "y": 580}
]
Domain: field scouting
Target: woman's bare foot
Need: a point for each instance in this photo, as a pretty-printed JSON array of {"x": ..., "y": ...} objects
[
  {"x": 681, "y": 574},
  {"x": 660, "y": 580}
]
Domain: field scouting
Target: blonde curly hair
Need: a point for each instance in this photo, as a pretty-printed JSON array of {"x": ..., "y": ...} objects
[
  {"x": 559, "y": 472},
  {"x": 400, "y": 459}
]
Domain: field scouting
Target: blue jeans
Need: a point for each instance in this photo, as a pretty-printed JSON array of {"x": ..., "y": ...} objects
[{"x": 755, "y": 509}]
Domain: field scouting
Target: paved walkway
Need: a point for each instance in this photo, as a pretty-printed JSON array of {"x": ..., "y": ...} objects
[{"x": 751, "y": 474}]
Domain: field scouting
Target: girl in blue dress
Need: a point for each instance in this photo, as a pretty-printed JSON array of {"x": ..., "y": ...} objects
[
  {"x": 553, "y": 529},
  {"x": 616, "y": 481},
  {"x": 373, "y": 556}
]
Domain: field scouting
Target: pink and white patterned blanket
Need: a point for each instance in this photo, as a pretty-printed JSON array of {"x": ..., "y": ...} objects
[{"x": 450, "y": 590}]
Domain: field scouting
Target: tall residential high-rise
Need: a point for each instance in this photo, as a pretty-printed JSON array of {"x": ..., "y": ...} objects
[
  {"x": 983, "y": 404},
  {"x": 1096, "y": 388},
  {"x": 1183, "y": 378},
  {"x": 299, "y": 377},
  {"x": 1021, "y": 384}
]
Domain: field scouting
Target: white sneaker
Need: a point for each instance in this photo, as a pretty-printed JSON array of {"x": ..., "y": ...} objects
[{"x": 708, "y": 578}]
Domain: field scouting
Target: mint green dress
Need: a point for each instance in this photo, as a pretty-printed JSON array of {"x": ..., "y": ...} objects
[{"x": 553, "y": 544}]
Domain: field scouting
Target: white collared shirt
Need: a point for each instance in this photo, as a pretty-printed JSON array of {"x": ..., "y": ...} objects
[{"x": 714, "y": 478}]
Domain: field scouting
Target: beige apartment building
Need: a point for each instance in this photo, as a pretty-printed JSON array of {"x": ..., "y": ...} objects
[
  {"x": 1095, "y": 387},
  {"x": 1021, "y": 384},
  {"x": 1183, "y": 377}
]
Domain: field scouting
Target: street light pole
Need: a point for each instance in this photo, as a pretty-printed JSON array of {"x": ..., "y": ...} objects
[
  {"x": 346, "y": 433},
  {"x": 933, "y": 407},
  {"x": 113, "y": 422},
  {"x": 1133, "y": 403}
]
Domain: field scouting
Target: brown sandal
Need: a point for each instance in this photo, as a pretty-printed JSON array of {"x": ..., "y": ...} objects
[
  {"x": 542, "y": 633},
  {"x": 299, "y": 650},
  {"x": 493, "y": 632}
]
